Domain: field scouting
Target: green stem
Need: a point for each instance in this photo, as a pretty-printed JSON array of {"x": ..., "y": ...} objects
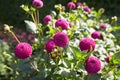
[
  {"x": 38, "y": 16},
  {"x": 114, "y": 75},
  {"x": 35, "y": 15},
  {"x": 61, "y": 54},
  {"x": 88, "y": 76},
  {"x": 14, "y": 36},
  {"x": 33, "y": 19}
]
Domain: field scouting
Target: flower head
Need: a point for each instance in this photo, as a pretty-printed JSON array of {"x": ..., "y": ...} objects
[
  {"x": 37, "y": 3},
  {"x": 23, "y": 50},
  {"x": 92, "y": 65},
  {"x": 47, "y": 18},
  {"x": 49, "y": 46},
  {"x": 71, "y": 5},
  {"x": 87, "y": 44},
  {"x": 95, "y": 35},
  {"x": 86, "y": 9},
  {"x": 79, "y": 4},
  {"x": 61, "y": 39},
  {"x": 62, "y": 23},
  {"x": 102, "y": 26}
]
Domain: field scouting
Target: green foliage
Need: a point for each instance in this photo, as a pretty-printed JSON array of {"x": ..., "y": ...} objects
[
  {"x": 5, "y": 61},
  {"x": 115, "y": 59}
]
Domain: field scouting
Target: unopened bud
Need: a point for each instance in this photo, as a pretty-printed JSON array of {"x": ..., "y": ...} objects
[
  {"x": 53, "y": 55},
  {"x": 115, "y": 18},
  {"x": 102, "y": 10},
  {"x": 6, "y": 28}
]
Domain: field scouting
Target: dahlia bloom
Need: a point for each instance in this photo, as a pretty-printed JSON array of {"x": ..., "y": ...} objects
[
  {"x": 61, "y": 39},
  {"x": 37, "y": 3},
  {"x": 47, "y": 18},
  {"x": 49, "y": 46},
  {"x": 62, "y": 23},
  {"x": 102, "y": 26},
  {"x": 87, "y": 44},
  {"x": 71, "y": 5},
  {"x": 95, "y": 35},
  {"x": 23, "y": 50},
  {"x": 86, "y": 9},
  {"x": 79, "y": 4},
  {"x": 92, "y": 65}
]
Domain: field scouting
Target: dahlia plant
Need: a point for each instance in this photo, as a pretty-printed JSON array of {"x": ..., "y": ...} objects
[{"x": 71, "y": 44}]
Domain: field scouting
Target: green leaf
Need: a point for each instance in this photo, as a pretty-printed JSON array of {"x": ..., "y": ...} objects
[
  {"x": 74, "y": 1},
  {"x": 93, "y": 77},
  {"x": 116, "y": 28},
  {"x": 25, "y": 8},
  {"x": 115, "y": 58},
  {"x": 76, "y": 51}
]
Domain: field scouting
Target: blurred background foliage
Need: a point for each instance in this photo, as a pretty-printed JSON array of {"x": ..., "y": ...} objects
[{"x": 12, "y": 14}]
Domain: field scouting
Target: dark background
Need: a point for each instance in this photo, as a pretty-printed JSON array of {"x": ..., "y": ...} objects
[{"x": 12, "y": 14}]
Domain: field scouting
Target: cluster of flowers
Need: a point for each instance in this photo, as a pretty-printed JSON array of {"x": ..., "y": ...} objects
[
  {"x": 93, "y": 64},
  {"x": 23, "y": 50}
]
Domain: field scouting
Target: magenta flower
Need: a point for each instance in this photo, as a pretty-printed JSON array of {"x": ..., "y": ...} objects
[
  {"x": 86, "y": 9},
  {"x": 23, "y": 33},
  {"x": 49, "y": 46},
  {"x": 102, "y": 26},
  {"x": 61, "y": 39},
  {"x": 62, "y": 23},
  {"x": 87, "y": 44},
  {"x": 23, "y": 50},
  {"x": 47, "y": 18},
  {"x": 92, "y": 65},
  {"x": 79, "y": 4},
  {"x": 37, "y": 3},
  {"x": 71, "y": 5},
  {"x": 95, "y": 35}
]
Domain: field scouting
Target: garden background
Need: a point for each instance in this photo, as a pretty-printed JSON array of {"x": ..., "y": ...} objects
[{"x": 12, "y": 14}]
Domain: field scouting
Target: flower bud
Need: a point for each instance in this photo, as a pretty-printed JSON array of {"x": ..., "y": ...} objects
[{"x": 6, "y": 28}]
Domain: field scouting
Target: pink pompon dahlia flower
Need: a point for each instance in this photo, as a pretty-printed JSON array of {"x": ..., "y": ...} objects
[
  {"x": 86, "y": 44},
  {"x": 49, "y": 46},
  {"x": 61, "y": 39},
  {"x": 86, "y": 9},
  {"x": 37, "y": 3},
  {"x": 92, "y": 65},
  {"x": 95, "y": 35},
  {"x": 47, "y": 18},
  {"x": 62, "y": 23},
  {"x": 102, "y": 26},
  {"x": 71, "y": 5},
  {"x": 79, "y": 4},
  {"x": 23, "y": 50}
]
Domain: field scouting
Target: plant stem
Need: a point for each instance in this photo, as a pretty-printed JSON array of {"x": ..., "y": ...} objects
[
  {"x": 88, "y": 76},
  {"x": 37, "y": 16},
  {"x": 14, "y": 36},
  {"x": 114, "y": 75},
  {"x": 61, "y": 54},
  {"x": 33, "y": 19}
]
